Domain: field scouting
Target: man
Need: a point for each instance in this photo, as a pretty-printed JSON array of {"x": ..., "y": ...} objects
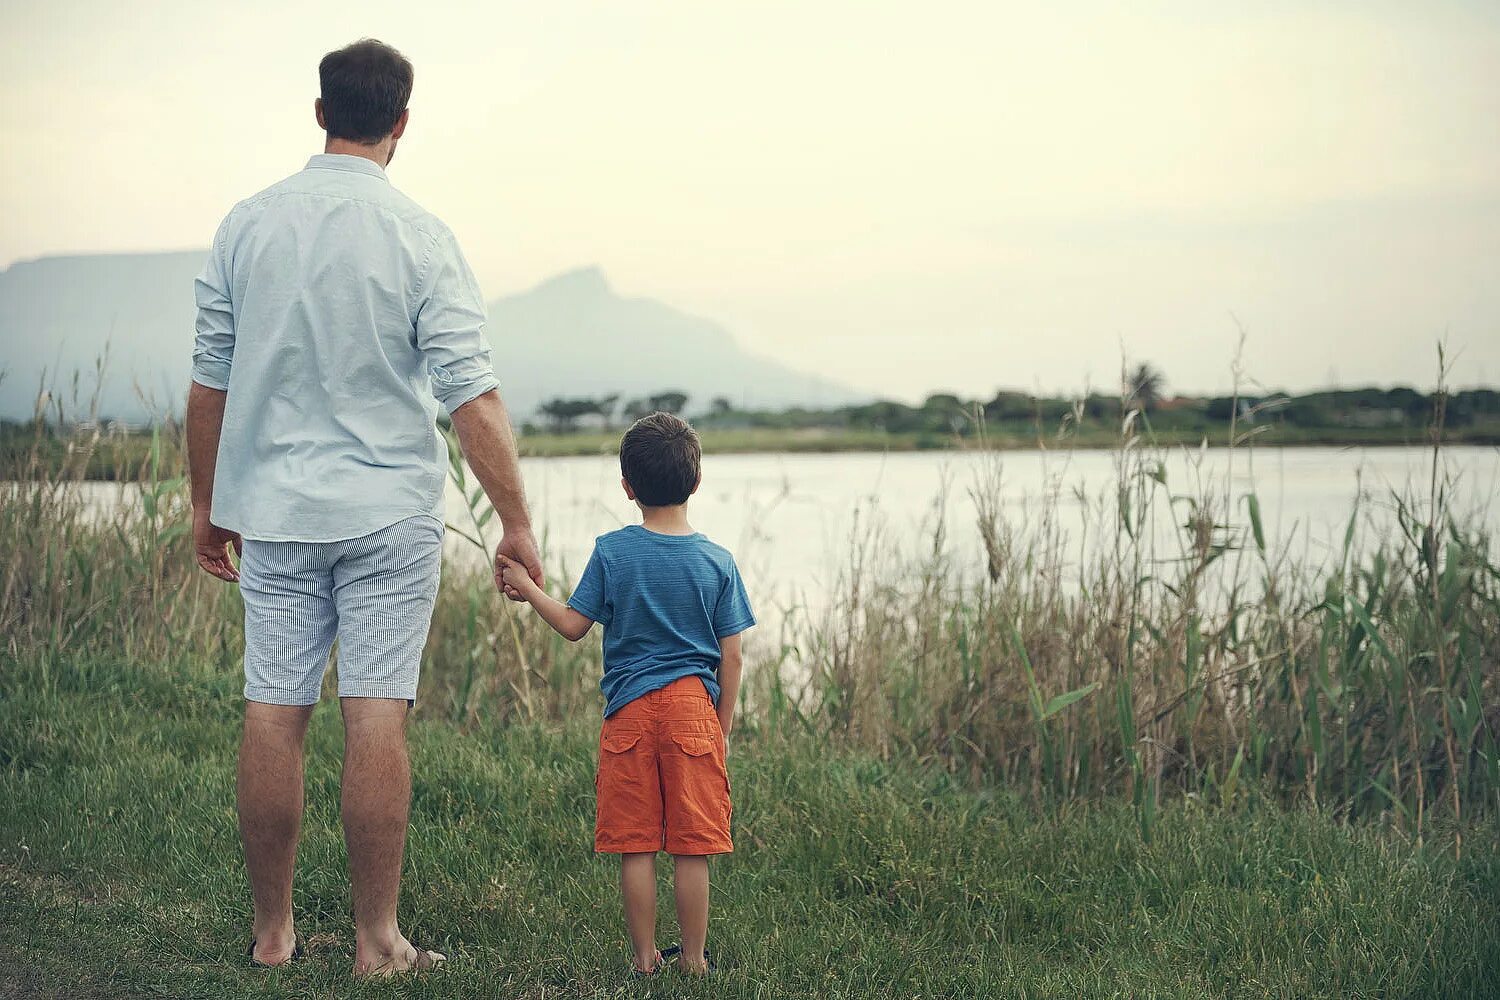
[{"x": 334, "y": 315}]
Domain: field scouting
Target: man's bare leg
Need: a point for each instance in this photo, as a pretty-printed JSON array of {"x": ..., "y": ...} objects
[
  {"x": 690, "y": 886},
  {"x": 376, "y": 803},
  {"x": 638, "y": 889},
  {"x": 270, "y": 805}
]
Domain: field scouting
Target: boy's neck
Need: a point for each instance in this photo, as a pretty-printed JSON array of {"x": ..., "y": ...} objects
[{"x": 666, "y": 520}]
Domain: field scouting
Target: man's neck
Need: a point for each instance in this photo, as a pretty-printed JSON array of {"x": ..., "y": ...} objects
[
  {"x": 378, "y": 154},
  {"x": 666, "y": 520}
]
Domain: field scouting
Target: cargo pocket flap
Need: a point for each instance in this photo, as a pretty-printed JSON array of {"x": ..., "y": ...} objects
[
  {"x": 620, "y": 742},
  {"x": 693, "y": 745}
]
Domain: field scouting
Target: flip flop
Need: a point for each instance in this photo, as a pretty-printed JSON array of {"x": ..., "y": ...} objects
[
  {"x": 427, "y": 961},
  {"x": 296, "y": 954},
  {"x": 675, "y": 951}
]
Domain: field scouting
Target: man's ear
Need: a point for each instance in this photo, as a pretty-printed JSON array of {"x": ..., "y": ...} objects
[
  {"x": 400, "y": 124},
  {"x": 625, "y": 484},
  {"x": 318, "y": 113}
]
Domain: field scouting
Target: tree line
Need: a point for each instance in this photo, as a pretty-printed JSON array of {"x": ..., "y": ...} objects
[{"x": 1143, "y": 389}]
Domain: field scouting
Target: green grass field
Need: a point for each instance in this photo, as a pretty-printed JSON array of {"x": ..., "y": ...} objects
[{"x": 120, "y": 875}]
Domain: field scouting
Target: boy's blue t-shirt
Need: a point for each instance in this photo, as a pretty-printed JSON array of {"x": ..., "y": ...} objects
[{"x": 665, "y": 601}]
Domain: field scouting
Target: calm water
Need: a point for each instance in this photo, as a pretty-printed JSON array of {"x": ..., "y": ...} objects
[{"x": 789, "y": 518}]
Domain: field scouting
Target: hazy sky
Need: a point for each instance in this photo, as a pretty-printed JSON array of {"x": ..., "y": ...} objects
[{"x": 906, "y": 196}]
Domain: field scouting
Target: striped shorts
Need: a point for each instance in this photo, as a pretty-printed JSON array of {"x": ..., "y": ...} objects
[{"x": 374, "y": 594}]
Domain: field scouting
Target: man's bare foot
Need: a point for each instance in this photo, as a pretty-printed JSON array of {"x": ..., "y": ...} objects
[
  {"x": 271, "y": 948},
  {"x": 377, "y": 963}
]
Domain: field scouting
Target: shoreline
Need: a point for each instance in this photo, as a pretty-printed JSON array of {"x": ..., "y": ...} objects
[
  {"x": 780, "y": 442},
  {"x": 114, "y": 457}
]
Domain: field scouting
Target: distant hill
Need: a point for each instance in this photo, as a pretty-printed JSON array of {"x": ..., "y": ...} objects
[{"x": 572, "y": 335}]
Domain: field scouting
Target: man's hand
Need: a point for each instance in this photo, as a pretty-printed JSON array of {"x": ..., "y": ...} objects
[
  {"x": 212, "y": 544},
  {"x": 517, "y": 547},
  {"x": 515, "y": 581}
]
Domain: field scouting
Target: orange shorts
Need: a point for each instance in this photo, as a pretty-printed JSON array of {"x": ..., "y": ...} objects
[{"x": 661, "y": 783}]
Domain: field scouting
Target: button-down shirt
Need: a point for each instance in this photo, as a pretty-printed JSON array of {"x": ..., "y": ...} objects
[{"x": 337, "y": 315}]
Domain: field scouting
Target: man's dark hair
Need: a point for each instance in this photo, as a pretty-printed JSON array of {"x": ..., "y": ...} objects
[
  {"x": 660, "y": 458},
  {"x": 365, "y": 87}
]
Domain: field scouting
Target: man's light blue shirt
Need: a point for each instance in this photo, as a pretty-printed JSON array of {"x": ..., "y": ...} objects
[{"x": 337, "y": 314}]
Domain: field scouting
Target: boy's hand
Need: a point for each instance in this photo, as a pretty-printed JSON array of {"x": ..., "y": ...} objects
[
  {"x": 518, "y": 548},
  {"x": 513, "y": 579}
]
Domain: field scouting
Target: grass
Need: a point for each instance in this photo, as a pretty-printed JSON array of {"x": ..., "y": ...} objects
[
  {"x": 120, "y": 875},
  {"x": 1170, "y": 758}
]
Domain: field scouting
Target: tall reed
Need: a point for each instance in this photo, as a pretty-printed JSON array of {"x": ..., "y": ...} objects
[{"x": 1174, "y": 648}]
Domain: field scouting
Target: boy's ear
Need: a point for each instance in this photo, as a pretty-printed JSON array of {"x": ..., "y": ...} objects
[
  {"x": 697, "y": 483},
  {"x": 625, "y": 484}
]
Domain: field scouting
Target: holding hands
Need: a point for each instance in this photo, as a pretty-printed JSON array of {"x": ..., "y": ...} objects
[
  {"x": 517, "y": 550},
  {"x": 514, "y": 579},
  {"x": 520, "y": 583}
]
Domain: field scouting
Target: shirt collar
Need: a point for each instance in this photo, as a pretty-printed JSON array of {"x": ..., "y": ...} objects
[{"x": 344, "y": 161}]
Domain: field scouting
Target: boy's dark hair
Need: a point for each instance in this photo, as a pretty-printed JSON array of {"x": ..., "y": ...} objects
[
  {"x": 365, "y": 87},
  {"x": 660, "y": 458}
]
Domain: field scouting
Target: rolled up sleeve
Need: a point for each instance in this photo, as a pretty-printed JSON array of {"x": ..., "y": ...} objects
[
  {"x": 450, "y": 327},
  {"x": 213, "y": 347}
]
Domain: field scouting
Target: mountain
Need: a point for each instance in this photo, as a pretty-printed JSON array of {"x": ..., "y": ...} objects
[
  {"x": 571, "y": 335},
  {"x": 59, "y": 315}
]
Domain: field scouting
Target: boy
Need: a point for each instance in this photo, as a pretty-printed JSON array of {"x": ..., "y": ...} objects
[{"x": 673, "y": 607}]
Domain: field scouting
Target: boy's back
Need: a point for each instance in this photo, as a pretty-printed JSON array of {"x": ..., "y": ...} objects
[{"x": 664, "y": 602}]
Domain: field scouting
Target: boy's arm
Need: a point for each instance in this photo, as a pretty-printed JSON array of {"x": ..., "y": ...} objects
[
  {"x": 565, "y": 621},
  {"x": 729, "y": 680}
]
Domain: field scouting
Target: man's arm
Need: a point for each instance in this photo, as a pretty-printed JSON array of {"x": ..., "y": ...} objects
[
  {"x": 450, "y": 333},
  {"x": 205, "y": 421},
  {"x": 489, "y": 445},
  {"x": 729, "y": 680}
]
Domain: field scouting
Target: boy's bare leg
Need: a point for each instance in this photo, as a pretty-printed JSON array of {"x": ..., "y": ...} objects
[
  {"x": 690, "y": 883},
  {"x": 638, "y": 888},
  {"x": 270, "y": 808},
  {"x": 376, "y": 802}
]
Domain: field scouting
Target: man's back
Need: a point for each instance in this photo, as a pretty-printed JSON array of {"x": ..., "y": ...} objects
[{"x": 331, "y": 309}]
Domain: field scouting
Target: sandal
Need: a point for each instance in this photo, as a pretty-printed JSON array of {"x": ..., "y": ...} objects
[
  {"x": 296, "y": 954},
  {"x": 426, "y": 961}
]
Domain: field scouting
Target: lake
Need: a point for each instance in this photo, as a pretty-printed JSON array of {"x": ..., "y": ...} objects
[{"x": 789, "y": 518}]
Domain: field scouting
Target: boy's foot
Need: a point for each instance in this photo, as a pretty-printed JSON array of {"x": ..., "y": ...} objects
[
  {"x": 641, "y": 969},
  {"x": 687, "y": 965}
]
